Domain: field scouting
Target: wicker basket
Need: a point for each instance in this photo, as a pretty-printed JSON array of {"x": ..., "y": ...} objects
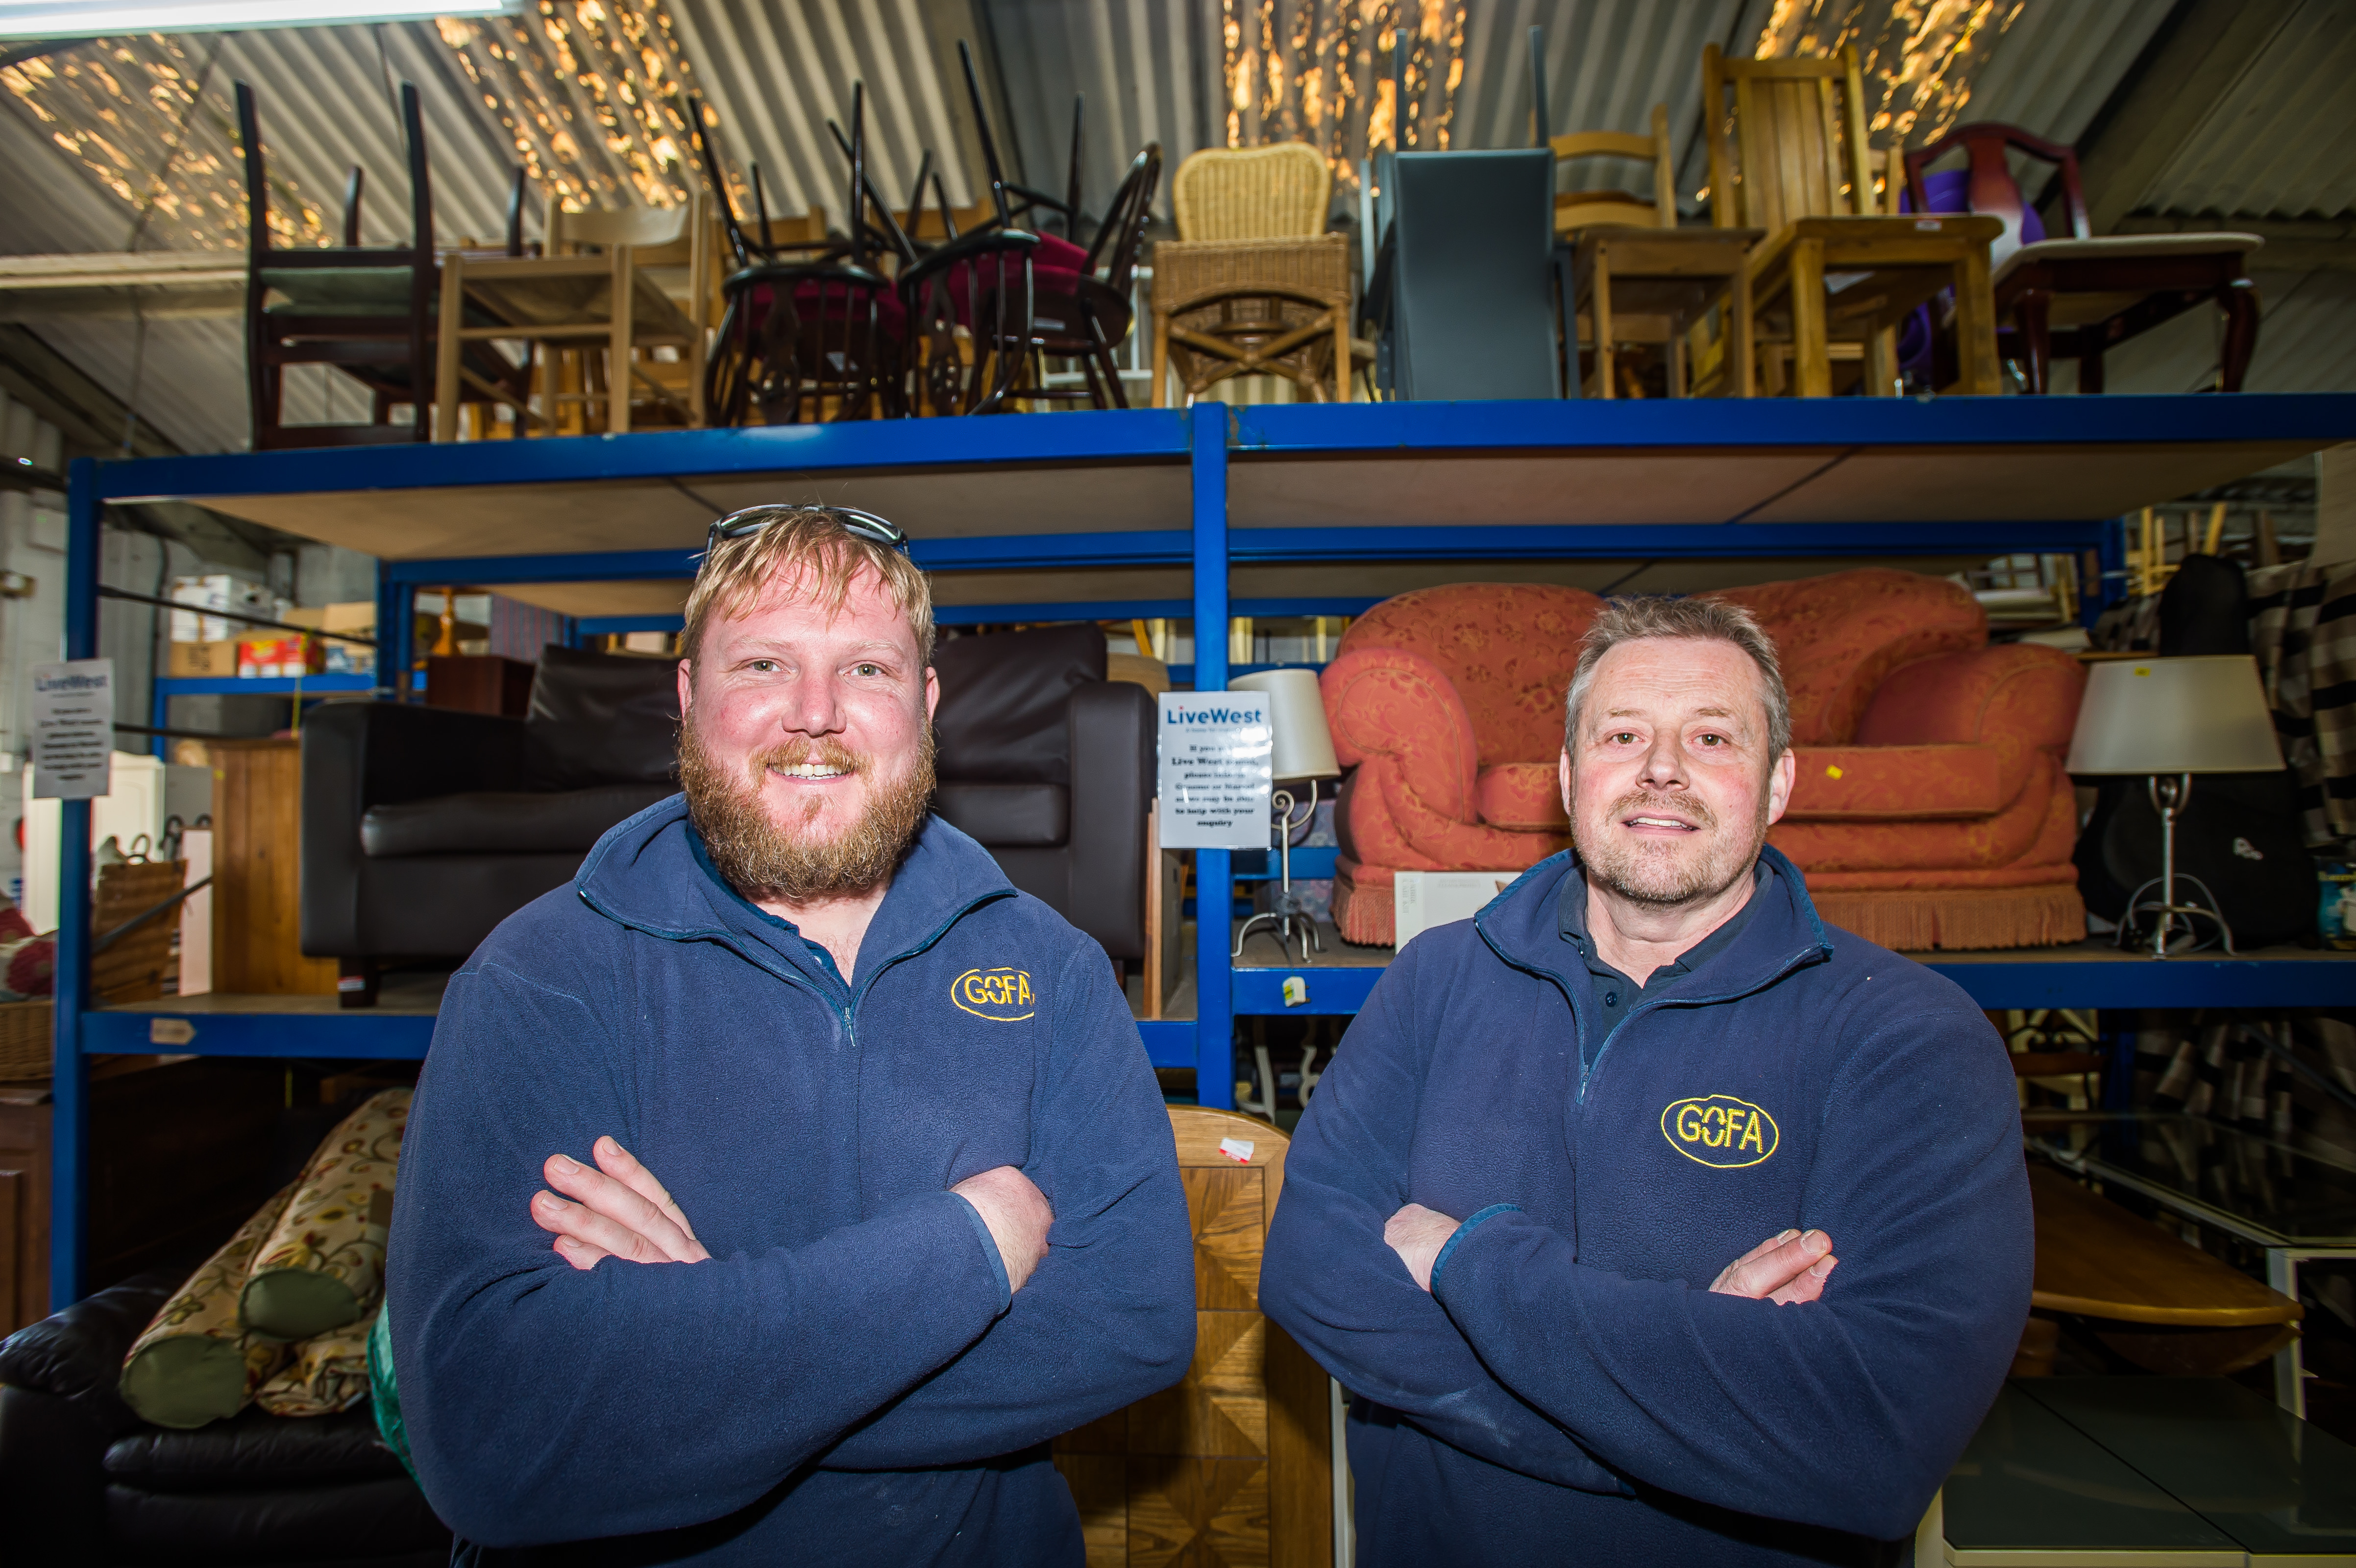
[{"x": 27, "y": 1036}]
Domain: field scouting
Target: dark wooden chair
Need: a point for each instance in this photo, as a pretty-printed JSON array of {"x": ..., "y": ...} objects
[
  {"x": 972, "y": 302},
  {"x": 2077, "y": 298},
  {"x": 804, "y": 341},
  {"x": 1091, "y": 318},
  {"x": 368, "y": 311}
]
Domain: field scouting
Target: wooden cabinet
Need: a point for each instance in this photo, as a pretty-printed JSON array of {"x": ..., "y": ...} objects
[
  {"x": 1232, "y": 1466},
  {"x": 180, "y": 1153},
  {"x": 257, "y": 872}
]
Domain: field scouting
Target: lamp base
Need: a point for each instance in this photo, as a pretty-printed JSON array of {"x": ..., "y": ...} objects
[
  {"x": 2161, "y": 928},
  {"x": 1289, "y": 919}
]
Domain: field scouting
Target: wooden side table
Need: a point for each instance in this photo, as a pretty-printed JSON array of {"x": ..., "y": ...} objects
[
  {"x": 1673, "y": 275},
  {"x": 1249, "y": 307}
]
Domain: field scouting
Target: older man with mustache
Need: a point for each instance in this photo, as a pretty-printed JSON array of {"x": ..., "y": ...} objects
[
  {"x": 1518, "y": 1219},
  {"x": 859, "y": 1187}
]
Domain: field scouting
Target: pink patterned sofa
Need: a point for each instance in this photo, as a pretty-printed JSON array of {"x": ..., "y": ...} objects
[{"x": 1929, "y": 810}]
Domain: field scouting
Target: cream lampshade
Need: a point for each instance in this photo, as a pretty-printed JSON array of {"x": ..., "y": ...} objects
[
  {"x": 2205, "y": 715},
  {"x": 2169, "y": 719},
  {"x": 1296, "y": 712}
]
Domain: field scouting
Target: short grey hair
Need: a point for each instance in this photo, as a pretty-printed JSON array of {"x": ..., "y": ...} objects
[{"x": 1655, "y": 615}]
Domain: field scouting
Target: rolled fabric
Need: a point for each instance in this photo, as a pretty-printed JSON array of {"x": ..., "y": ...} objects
[
  {"x": 323, "y": 1265},
  {"x": 196, "y": 1362},
  {"x": 323, "y": 1375}
]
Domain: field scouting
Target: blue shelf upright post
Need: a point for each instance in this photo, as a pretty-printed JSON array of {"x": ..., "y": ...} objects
[
  {"x": 394, "y": 628},
  {"x": 1214, "y": 1027},
  {"x": 70, "y": 1082}
]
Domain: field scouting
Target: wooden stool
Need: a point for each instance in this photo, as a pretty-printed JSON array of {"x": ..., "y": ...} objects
[{"x": 1249, "y": 307}]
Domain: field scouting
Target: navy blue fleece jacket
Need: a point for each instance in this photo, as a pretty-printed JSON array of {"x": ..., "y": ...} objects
[
  {"x": 847, "y": 1380},
  {"x": 1570, "y": 1392}
]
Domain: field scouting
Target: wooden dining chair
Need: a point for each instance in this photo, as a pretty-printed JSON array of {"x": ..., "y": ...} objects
[
  {"x": 2077, "y": 298},
  {"x": 369, "y": 312},
  {"x": 1789, "y": 155},
  {"x": 1234, "y": 1464}
]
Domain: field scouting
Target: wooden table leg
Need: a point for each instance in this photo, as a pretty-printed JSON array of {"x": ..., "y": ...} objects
[
  {"x": 446, "y": 349},
  {"x": 618, "y": 352},
  {"x": 1742, "y": 368},
  {"x": 1812, "y": 357},
  {"x": 1341, "y": 353},
  {"x": 1976, "y": 325},
  {"x": 2032, "y": 312},
  {"x": 1161, "y": 359},
  {"x": 1599, "y": 315},
  {"x": 1881, "y": 362}
]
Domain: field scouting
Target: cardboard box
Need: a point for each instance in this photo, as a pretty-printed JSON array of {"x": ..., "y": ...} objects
[
  {"x": 202, "y": 661},
  {"x": 269, "y": 658},
  {"x": 216, "y": 592},
  {"x": 358, "y": 614}
]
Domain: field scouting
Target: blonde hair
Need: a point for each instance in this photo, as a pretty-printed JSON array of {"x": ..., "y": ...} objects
[
  {"x": 809, "y": 546},
  {"x": 1709, "y": 621}
]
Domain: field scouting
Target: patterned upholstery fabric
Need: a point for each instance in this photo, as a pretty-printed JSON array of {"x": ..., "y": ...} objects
[{"x": 1929, "y": 808}]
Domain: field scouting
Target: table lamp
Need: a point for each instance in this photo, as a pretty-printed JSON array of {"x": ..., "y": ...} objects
[
  {"x": 1301, "y": 752},
  {"x": 2169, "y": 719}
]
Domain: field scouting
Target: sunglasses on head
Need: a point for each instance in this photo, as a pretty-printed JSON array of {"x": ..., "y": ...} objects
[{"x": 860, "y": 524}]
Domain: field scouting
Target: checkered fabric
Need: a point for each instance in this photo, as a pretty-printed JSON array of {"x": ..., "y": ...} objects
[{"x": 2303, "y": 629}]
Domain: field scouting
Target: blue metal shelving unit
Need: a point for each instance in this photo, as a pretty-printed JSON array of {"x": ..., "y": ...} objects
[{"x": 1202, "y": 491}]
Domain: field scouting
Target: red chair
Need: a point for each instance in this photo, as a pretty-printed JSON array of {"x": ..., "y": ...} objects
[
  {"x": 1929, "y": 808},
  {"x": 2080, "y": 297}
]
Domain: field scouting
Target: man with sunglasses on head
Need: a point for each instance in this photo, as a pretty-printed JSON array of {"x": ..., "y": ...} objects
[{"x": 777, "y": 1190}]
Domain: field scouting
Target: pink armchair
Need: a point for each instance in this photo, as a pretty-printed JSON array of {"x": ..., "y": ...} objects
[
  {"x": 1447, "y": 703},
  {"x": 1930, "y": 808}
]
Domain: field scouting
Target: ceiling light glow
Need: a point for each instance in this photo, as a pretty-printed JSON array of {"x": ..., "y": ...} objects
[{"x": 110, "y": 18}]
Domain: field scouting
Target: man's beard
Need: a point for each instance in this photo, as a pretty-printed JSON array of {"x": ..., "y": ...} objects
[
  {"x": 1643, "y": 874},
  {"x": 760, "y": 859}
]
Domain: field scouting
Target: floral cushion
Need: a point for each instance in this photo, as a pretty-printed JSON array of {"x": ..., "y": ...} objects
[
  {"x": 322, "y": 1266},
  {"x": 323, "y": 1375},
  {"x": 1523, "y": 796},
  {"x": 196, "y": 1362}
]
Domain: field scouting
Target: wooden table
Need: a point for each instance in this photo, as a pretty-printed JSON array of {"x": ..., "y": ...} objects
[
  {"x": 1865, "y": 275},
  {"x": 559, "y": 299},
  {"x": 2098, "y": 1260},
  {"x": 1675, "y": 275}
]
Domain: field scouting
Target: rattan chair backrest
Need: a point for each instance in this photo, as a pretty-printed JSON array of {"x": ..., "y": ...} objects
[{"x": 1277, "y": 192}]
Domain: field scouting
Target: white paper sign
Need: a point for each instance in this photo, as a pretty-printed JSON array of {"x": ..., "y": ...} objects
[
  {"x": 1216, "y": 753},
  {"x": 1422, "y": 899},
  {"x": 73, "y": 729}
]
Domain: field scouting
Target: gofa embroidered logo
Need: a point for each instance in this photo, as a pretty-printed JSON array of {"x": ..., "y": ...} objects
[
  {"x": 1002, "y": 996},
  {"x": 1719, "y": 1130}
]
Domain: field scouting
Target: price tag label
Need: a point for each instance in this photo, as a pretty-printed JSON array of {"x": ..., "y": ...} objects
[
  {"x": 73, "y": 729},
  {"x": 1214, "y": 783}
]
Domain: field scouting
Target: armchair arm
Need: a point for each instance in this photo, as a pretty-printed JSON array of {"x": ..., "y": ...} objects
[
  {"x": 1112, "y": 785},
  {"x": 358, "y": 754},
  {"x": 1389, "y": 703}
]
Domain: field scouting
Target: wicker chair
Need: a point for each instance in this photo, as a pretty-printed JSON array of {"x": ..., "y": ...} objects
[{"x": 1253, "y": 285}]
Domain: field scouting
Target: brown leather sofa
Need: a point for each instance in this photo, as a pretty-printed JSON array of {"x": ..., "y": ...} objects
[{"x": 423, "y": 828}]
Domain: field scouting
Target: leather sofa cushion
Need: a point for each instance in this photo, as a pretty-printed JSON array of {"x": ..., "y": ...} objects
[
  {"x": 1002, "y": 716},
  {"x": 1525, "y": 796},
  {"x": 569, "y": 822},
  {"x": 1895, "y": 783},
  {"x": 601, "y": 719},
  {"x": 251, "y": 1451},
  {"x": 1008, "y": 816},
  {"x": 361, "y": 1522}
]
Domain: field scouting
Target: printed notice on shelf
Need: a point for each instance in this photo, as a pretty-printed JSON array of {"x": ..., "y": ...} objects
[
  {"x": 73, "y": 729},
  {"x": 1216, "y": 754}
]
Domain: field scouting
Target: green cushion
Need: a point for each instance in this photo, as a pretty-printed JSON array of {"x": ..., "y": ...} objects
[
  {"x": 187, "y": 1380},
  {"x": 295, "y": 1304},
  {"x": 339, "y": 291}
]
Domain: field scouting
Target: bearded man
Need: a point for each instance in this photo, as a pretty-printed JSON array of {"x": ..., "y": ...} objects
[
  {"x": 1518, "y": 1217},
  {"x": 867, "y": 1189}
]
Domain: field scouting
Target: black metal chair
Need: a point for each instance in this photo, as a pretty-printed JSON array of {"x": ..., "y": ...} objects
[
  {"x": 1088, "y": 321},
  {"x": 796, "y": 337}
]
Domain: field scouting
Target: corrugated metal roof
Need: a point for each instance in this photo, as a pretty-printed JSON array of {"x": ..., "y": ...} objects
[
  {"x": 2282, "y": 141},
  {"x": 586, "y": 95}
]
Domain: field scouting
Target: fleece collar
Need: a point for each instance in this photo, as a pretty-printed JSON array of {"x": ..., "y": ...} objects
[
  {"x": 1780, "y": 932},
  {"x": 649, "y": 874}
]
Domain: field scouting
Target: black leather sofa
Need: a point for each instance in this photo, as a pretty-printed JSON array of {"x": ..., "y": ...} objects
[
  {"x": 84, "y": 1483},
  {"x": 423, "y": 828},
  {"x": 1052, "y": 767}
]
